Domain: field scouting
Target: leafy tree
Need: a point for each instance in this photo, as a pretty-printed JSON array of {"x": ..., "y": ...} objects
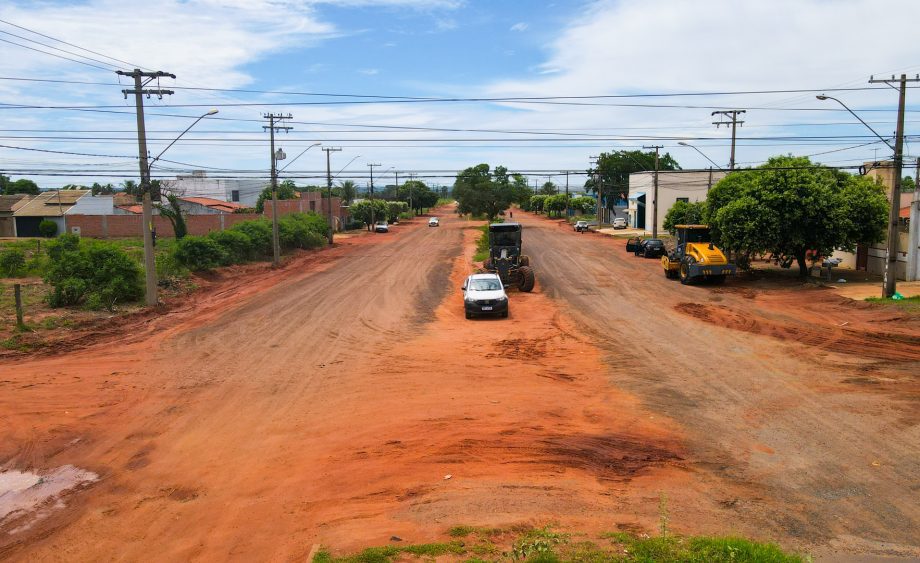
[
  {"x": 908, "y": 184},
  {"x": 21, "y": 186},
  {"x": 347, "y": 191},
  {"x": 537, "y": 203},
  {"x": 549, "y": 188},
  {"x": 480, "y": 192},
  {"x": 555, "y": 204},
  {"x": 684, "y": 213},
  {"x": 583, "y": 204},
  {"x": 614, "y": 168},
  {"x": 286, "y": 190},
  {"x": 130, "y": 187},
  {"x": 100, "y": 189},
  {"x": 368, "y": 210},
  {"x": 173, "y": 212},
  {"x": 790, "y": 206},
  {"x": 394, "y": 208}
]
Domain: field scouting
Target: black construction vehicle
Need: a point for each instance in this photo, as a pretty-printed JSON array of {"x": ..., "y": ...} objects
[{"x": 505, "y": 258}]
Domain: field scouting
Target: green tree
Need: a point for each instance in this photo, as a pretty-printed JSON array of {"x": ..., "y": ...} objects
[
  {"x": 790, "y": 206},
  {"x": 286, "y": 190},
  {"x": 130, "y": 187},
  {"x": 173, "y": 211},
  {"x": 614, "y": 168},
  {"x": 537, "y": 203},
  {"x": 908, "y": 184},
  {"x": 21, "y": 186},
  {"x": 583, "y": 204},
  {"x": 684, "y": 213},
  {"x": 368, "y": 211},
  {"x": 549, "y": 188},
  {"x": 481, "y": 192},
  {"x": 348, "y": 191},
  {"x": 555, "y": 204}
]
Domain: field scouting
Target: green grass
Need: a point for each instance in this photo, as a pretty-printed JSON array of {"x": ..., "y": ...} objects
[
  {"x": 907, "y": 304},
  {"x": 544, "y": 545},
  {"x": 387, "y": 553}
]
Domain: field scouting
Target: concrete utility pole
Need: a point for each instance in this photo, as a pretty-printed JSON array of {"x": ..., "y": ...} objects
[
  {"x": 891, "y": 255},
  {"x": 655, "y": 195},
  {"x": 597, "y": 190},
  {"x": 913, "y": 236},
  {"x": 329, "y": 188},
  {"x": 566, "y": 195},
  {"x": 276, "y": 242},
  {"x": 150, "y": 268},
  {"x": 373, "y": 211},
  {"x": 733, "y": 113}
]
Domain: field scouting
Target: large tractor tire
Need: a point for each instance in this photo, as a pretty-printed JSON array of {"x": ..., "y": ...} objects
[
  {"x": 527, "y": 279},
  {"x": 685, "y": 270},
  {"x": 524, "y": 260}
]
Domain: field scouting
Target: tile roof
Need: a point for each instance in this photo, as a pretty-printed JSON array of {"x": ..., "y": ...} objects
[{"x": 218, "y": 204}]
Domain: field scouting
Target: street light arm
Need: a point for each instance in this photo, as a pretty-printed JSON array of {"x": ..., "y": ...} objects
[
  {"x": 701, "y": 152},
  {"x": 346, "y": 166},
  {"x": 823, "y": 97},
  {"x": 212, "y": 112},
  {"x": 298, "y": 156}
]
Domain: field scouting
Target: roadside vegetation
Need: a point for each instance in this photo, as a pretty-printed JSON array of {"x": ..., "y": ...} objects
[
  {"x": 79, "y": 276},
  {"x": 475, "y": 544},
  {"x": 911, "y": 304}
]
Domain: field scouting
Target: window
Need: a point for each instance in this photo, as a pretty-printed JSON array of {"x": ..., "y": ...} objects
[
  {"x": 234, "y": 195},
  {"x": 684, "y": 199}
]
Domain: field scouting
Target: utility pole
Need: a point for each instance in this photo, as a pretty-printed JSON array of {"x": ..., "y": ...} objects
[
  {"x": 891, "y": 258},
  {"x": 566, "y": 195},
  {"x": 597, "y": 191},
  {"x": 655, "y": 196},
  {"x": 733, "y": 113},
  {"x": 150, "y": 269},
  {"x": 373, "y": 211},
  {"x": 272, "y": 118},
  {"x": 329, "y": 189}
]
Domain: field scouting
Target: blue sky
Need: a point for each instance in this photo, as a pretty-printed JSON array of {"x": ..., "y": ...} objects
[{"x": 448, "y": 48}]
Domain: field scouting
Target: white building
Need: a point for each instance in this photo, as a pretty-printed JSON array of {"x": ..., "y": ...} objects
[
  {"x": 245, "y": 192},
  {"x": 673, "y": 186}
]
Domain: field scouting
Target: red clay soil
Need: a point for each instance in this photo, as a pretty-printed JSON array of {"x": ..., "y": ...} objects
[{"x": 346, "y": 400}]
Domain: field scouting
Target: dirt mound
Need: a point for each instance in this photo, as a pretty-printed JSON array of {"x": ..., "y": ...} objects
[{"x": 834, "y": 338}]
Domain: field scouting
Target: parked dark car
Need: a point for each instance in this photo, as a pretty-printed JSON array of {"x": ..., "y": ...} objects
[{"x": 651, "y": 248}]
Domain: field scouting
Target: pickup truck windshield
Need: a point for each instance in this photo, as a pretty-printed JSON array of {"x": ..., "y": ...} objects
[{"x": 485, "y": 285}]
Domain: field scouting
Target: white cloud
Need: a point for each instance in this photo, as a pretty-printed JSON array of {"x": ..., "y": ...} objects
[
  {"x": 369, "y": 71},
  {"x": 520, "y": 26}
]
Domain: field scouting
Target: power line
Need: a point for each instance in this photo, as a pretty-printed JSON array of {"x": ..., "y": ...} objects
[
  {"x": 69, "y": 44},
  {"x": 55, "y": 55}
]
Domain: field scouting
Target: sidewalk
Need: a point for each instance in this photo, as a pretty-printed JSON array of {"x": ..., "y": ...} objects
[{"x": 862, "y": 290}]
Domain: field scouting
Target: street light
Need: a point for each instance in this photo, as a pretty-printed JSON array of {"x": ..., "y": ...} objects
[
  {"x": 298, "y": 156},
  {"x": 150, "y": 268},
  {"x": 822, "y": 97},
  {"x": 889, "y": 281},
  {"x": 699, "y": 151}
]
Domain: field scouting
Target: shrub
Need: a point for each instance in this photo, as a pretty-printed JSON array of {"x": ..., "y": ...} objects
[
  {"x": 236, "y": 244},
  {"x": 259, "y": 232},
  {"x": 97, "y": 273},
  {"x": 200, "y": 253},
  {"x": 12, "y": 262},
  {"x": 302, "y": 230},
  {"x": 64, "y": 243},
  {"x": 47, "y": 228}
]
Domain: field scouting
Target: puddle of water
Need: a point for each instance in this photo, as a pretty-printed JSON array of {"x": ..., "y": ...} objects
[{"x": 24, "y": 491}]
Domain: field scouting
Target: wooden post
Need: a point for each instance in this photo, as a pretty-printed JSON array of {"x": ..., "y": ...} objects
[{"x": 17, "y": 291}]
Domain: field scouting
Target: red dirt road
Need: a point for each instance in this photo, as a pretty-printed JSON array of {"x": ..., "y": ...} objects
[{"x": 327, "y": 404}]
